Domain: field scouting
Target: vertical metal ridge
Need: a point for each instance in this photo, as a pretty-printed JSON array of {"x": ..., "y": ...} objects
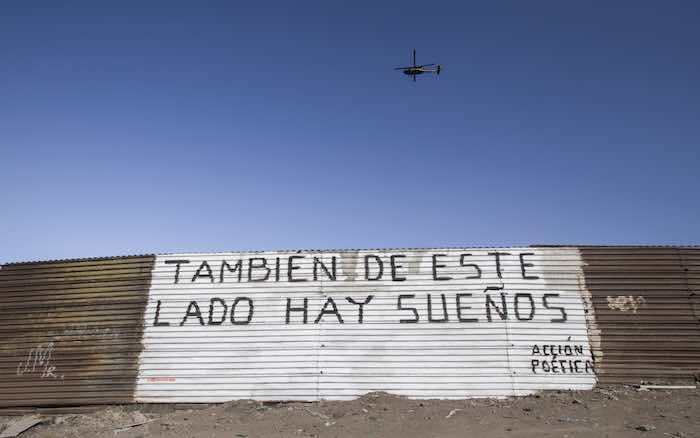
[
  {"x": 73, "y": 331},
  {"x": 643, "y": 300}
]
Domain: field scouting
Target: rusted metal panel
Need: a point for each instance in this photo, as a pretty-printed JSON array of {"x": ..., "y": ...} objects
[
  {"x": 643, "y": 299},
  {"x": 297, "y": 332},
  {"x": 72, "y": 330},
  {"x": 125, "y": 329}
]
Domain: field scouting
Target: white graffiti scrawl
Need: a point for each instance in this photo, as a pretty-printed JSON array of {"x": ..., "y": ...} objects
[
  {"x": 626, "y": 303},
  {"x": 38, "y": 360}
]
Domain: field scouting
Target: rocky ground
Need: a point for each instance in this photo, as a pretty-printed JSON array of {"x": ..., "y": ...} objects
[{"x": 604, "y": 412}]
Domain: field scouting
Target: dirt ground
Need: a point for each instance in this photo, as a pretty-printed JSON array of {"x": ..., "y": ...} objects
[{"x": 603, "y": 412}]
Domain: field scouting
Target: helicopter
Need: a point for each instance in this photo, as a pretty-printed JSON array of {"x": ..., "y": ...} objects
[{"x": 419, "y": 69}]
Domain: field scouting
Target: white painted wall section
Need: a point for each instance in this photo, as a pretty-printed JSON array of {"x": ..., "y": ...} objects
[{"x": 309, "y": 325}]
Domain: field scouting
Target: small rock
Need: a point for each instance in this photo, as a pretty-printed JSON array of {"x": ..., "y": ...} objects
[
  {"x": 646, "y": 427},
  {"x": 452, "y": 412},
  {"x": 576, "y": 401},
  {"x": 242, "y": 435}
]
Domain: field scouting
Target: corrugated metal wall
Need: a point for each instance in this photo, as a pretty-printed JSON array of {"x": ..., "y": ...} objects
[
  {"x": 645, "y": 302},
  {"x": 411, "y": 340},
  {"x": 691, "y": 265},
  {"x": 71, "y": 330},
  {"x": 514, "y": 320}
]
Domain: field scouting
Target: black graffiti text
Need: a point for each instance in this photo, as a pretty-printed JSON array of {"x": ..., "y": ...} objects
[
  {"x": 297, "y": 310},
  {"x": 299, "y": 268},
  {"x": 493, "y": 305},
  {"x": 217, "y": 311},
  {"x": 560, "y": 359}
]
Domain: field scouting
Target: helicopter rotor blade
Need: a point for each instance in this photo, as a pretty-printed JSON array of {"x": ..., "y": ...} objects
[
  {"x": 402, "y": 68},
  {"x": 414, "y": 57},
  {"x": 425, "y": 65}
]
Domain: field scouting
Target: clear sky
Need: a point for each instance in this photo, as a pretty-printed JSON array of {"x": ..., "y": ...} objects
[{"x": 140, "y": 127}]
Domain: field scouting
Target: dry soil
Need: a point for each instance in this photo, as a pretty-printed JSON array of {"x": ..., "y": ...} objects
[{"x": 604, "y": 412}]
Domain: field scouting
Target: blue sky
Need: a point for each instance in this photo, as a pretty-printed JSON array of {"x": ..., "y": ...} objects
[{"x": 140, "y": 127}]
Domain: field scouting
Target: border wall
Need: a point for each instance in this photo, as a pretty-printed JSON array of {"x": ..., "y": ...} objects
[{"x": 311, "y": 325}]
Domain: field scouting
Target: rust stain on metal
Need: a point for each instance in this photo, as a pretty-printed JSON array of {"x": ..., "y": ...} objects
[
  {"x": 642, "y": 299},
  {"x": 72, "y": 332}
]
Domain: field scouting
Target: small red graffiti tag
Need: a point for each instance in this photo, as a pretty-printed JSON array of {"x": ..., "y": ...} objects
[{"x": 160, "y": 379}]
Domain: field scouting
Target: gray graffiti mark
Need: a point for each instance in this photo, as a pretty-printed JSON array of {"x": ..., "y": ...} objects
[
  {"x": 85, "y": 330},
  {"x": 348, "y": 264}
]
